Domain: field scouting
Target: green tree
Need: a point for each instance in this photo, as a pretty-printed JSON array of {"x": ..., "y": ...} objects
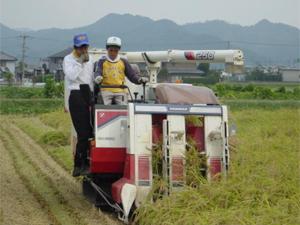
[
  {"x": 59, "y": 89},
  {"x": 214, "y": 73},
  {"x": 9, "y": 78},
  {"x": 20, "y": 66},
  {"x": 49, "y": 89},
  {"x": 256, "y": 72},
  {"x": 162, "y": 74},
  {"x": 163, "y": 71},
  {"x": 44, "y": 66},
  {"x": 205, "y": 67}
]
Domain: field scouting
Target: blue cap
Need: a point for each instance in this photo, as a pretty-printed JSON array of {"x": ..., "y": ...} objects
[{"x": 81, "y": 39}]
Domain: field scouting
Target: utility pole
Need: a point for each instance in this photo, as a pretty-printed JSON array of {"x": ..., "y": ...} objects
[
  {"x": 228, "y": 44},
  {"x": 24, "y": 55}
]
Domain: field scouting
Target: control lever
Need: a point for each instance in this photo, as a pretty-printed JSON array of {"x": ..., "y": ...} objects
[
  {"x": 144, "y": 88},
  {"x": 135, "y": 95}
]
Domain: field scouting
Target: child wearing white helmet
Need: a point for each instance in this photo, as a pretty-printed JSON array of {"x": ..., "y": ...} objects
[{"x": 112, "y": 70}]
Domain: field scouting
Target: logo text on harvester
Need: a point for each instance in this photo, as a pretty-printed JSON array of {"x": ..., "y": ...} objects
[
  {"x": 106, "y": 138},
  {"x": 185, "y": 109}
]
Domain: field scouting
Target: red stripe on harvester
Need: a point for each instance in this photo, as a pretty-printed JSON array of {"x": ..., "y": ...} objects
[
  {"x": 177, "y": 169},
  {"x": 215, "y": 166},
  {"x": 189, "y": 55},
  {"x": 104, "y": 116},
  {"x": 144, "y": 167},
  {"x": 128, "y": 178}
]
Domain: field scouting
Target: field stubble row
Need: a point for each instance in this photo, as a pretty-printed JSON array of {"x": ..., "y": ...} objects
[{"x": 50, "y": 185}]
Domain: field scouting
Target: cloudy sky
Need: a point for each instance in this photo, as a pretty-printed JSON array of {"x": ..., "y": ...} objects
[{"x": 41, "y": 14}]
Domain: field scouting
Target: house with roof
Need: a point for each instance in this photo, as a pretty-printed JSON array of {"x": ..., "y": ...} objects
[
  {"x": 7, "y": 63},
  {"x": 178, "y": 71},
  {"x": 56, "y": 61},
  {"x": 44, "y": 63},
  {"x": 275, "y": 70},
  {"x": 28, "y": 73},
  {"x": 291, "y": 75},
  {"x": 174, "y": 74}
]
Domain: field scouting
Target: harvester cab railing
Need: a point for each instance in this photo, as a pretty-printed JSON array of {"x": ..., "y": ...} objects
[{"x": 124, "y": 87}]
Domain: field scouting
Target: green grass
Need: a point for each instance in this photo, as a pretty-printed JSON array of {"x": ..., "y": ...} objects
[
  {"x": 238, "y": 105},
  {"x": 22, "y": 92},
  {"x": 44, "y": 135},
  {"x": 272, "y": 85},
  {"x": 254, "y": 92},
  {"x": 55, "y": 139},
  {"x": 263, "y": 182},
  {"x": 63, "y": 155},
  {"x": 29, "y": 106},
  {"x": 58, "y": 120}
]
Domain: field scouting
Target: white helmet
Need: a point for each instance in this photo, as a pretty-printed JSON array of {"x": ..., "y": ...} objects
[{"x": 113, "y": 41}]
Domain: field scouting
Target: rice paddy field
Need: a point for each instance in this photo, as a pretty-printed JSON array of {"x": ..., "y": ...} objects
[
  {"x": 36, "y": 186},
  {"x": 262, "y": 186}
]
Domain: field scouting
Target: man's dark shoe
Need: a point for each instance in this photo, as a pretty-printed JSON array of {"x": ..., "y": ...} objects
[
  {"x": 76, "y": 171},
  {"x": 85, "y": 169}
]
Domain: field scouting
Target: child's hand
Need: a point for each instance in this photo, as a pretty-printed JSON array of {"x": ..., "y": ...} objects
[
  {"x": 143, "y": 80},
  {"x": 98, "y": 79}
]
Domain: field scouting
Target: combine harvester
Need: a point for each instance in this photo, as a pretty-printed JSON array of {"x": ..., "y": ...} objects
[{"x": 120, "y": 153}]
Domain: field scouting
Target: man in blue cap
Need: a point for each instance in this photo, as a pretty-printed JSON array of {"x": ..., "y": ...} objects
[{"x": 78, "y": 68}]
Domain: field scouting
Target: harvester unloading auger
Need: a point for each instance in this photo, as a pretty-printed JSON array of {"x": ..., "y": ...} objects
[{"x": 121, "y": 173}]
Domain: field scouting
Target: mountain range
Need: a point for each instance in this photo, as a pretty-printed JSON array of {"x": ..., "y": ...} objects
[{"x": 264, "y": 43}]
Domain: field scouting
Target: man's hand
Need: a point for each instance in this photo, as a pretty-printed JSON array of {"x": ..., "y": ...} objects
[
  {"x": 98, "y": 79},
  {"x": 83, "y": 58},
  {"x": 143, "y": 80}
]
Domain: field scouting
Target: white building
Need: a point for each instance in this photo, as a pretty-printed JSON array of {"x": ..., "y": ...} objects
[
  {"x": 291, "y": 75},
  {"x": 8, "y": 61}
]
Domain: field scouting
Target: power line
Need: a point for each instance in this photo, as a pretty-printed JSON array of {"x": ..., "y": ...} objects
[
  {"x": 50, "y": 39},
  {"x": 33, "y": 52},
  {"x": 128, "y": 44},
  {"x": 14, "y": 45},
  {"x": 173, "y": 44},
  {"x": 237, "y": 41},
  {"x": 272, "y": 44},
  {"x": 10, "y": 37},
  {"x": 200, "y": 43}
]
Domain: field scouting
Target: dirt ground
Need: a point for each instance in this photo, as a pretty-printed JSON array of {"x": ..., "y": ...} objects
[{"x": 35, "y": 188}]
